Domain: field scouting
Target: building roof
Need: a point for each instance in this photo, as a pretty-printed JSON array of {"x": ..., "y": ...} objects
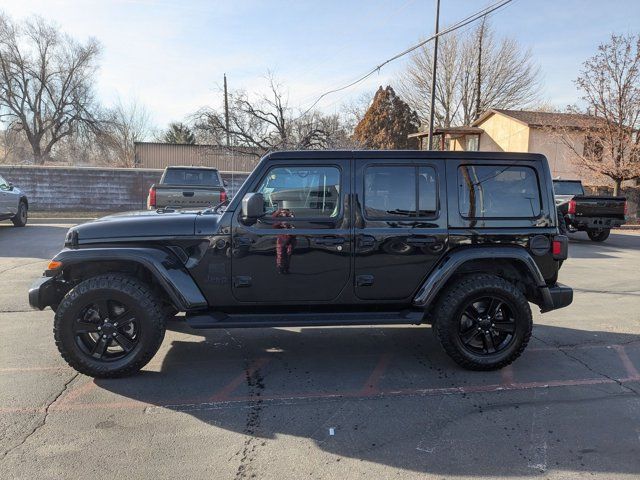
[
  {"x": 545, "y": 119},
  {"x": 453, "y": 131}
]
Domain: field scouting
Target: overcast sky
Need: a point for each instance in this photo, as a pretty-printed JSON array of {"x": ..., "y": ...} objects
[{"x": 171, "y": 54}]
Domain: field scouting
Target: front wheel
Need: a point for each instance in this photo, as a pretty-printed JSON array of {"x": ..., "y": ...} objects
[
  {"x": 109, "y": 326},
  {"x": 20, "y": 219},
  {"x": 483, "y": 322},
  {"x": 599, "y": 235}
]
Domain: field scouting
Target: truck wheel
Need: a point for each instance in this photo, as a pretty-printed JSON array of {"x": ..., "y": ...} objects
[
  {"x": 562, "y": 224},
  {"x": 599, "y": 235},
  {"x": 483, "y": 322},
  {"x": 20, "y": 219},
  {"x": 109, "y": 326}
]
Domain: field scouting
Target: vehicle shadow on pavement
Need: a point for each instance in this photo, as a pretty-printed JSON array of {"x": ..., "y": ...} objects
[
  {"x": 31, "y": 241},
  {"x": 391, "y": 396}
]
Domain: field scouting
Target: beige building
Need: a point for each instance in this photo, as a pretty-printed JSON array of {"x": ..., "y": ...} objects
[
  {"x": 500, "y": 130},
  {"x": 162, "y": 155}
]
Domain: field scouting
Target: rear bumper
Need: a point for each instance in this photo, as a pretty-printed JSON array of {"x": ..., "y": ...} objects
[
  {"x": 42, "y": 293},
  {"x": 555, "y": 297},
  {"x": 594, "y": 222}
]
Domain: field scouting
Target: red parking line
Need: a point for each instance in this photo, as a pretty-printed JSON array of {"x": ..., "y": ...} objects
[
  {"x": 632, "y": 371},
  {"x": 228, "y": 389},
  {"x": 77, "y": 392},
  {"x": 507, "y": 375},
  {"x": 371, "y": 385},
  {"x": 132, "y": 404}
]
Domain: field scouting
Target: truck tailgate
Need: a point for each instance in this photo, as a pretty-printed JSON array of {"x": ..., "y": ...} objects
[
  {"x": 612, "y": 207},
  {"x": 187, "y": 196}
]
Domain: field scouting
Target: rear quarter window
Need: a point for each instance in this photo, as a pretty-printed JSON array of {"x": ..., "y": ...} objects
[{"x": 498, "y": 191}]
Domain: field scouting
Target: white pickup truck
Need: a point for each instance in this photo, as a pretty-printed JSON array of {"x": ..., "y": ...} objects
[{"x": 187, "y": 187}]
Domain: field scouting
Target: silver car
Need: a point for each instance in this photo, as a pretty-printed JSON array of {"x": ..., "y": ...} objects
[{"x": 13, "y": 204}]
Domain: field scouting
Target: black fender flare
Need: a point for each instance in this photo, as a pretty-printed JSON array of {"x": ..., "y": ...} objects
[
  {"x": 455, "y": 259},
  {"x": 163, "y": 265}
]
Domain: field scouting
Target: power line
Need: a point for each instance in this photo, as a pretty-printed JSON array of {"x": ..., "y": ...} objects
[{"x": 461, "y": 23}]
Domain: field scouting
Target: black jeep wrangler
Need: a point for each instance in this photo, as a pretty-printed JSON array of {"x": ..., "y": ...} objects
[{"x": 462, "y": 241}]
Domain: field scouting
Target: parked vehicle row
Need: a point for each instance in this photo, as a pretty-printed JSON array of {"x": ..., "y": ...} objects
[{"x": 464, "y": 241}]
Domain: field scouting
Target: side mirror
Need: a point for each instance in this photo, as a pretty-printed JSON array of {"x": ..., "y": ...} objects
[
  {"x": 10, "y": 185},
  {"x": 225, "y": 183},
  {"x": 253, "y": 205}
]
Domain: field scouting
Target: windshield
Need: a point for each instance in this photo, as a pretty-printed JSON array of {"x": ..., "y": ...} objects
[
  {"x": 189, "y": 176},
  {"x": 567, "y": 188}
]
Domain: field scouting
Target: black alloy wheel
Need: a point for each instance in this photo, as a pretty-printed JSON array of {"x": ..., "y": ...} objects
[
  {"x": 107, "y": 330},
  {"x": 486, "y": 325}
]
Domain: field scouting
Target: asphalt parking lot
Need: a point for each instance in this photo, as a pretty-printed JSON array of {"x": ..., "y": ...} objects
[{"x": 330, "y": 402}]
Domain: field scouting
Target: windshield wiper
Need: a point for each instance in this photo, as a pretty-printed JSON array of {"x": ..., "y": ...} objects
[{"x": 215, "y": 208}]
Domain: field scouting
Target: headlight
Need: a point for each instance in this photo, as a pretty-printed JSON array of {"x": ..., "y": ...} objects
[{"x": 71, "y": 240}]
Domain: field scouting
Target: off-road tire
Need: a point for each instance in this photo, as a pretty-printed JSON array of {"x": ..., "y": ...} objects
[
  {"x": 599, "y": 235},
  {"x": 149, "y": 313},
  {"x": 20, "y": 218},
  {"x": 449, "y": 308}
]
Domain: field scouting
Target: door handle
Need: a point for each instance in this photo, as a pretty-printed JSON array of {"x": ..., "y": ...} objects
[
  {"x": 329, "y": 241},
  {"x": 421, "y": 241},
  {"x": 366, "y": 241},
  {"x": 187, "y": 194}
]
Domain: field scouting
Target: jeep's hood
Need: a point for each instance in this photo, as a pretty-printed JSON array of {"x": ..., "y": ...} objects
[{"x": 142, "y": 224}]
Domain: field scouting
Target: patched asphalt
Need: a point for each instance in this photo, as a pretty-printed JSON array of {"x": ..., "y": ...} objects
[{"x": 378, "y": 402}]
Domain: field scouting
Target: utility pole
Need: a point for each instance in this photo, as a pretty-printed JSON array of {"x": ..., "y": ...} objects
[
  {"x": 226, "y": 111},
  {"x": 479, "y": 77},
  {"x": 433, "y": 76}
]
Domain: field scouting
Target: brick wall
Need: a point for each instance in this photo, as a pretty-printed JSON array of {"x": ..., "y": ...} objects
[{"x": 89, "y": 189}]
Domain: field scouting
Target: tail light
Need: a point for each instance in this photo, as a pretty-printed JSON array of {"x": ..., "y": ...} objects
[
  {"x": 560, "y": 247},
  {"x": 223, "y": 196},
  {"x": 152, "y": 197},
  {"x": 625, "y": 208},
  {"x": 572, "y": 207}
]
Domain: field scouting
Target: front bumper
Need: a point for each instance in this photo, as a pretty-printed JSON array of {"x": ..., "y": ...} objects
[
  {"x": 43, "y": 293},
  {"x": 555, "y": 297}
]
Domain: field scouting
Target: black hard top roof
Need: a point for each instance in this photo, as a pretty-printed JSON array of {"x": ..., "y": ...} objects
[{"x": 403, "y": 154}]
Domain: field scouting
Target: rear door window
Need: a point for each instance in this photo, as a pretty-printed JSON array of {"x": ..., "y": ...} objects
[
  {"x": 498, "y": 191},
  {"x": 397, "y": 191}
]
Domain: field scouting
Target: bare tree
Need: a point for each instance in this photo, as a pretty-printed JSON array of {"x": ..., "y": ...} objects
[
  {"x": 127, "y": 124},
  {"x": 610, "y": 86},
  {"x": 268, "y": 123},
  {"x": 46, "y": 83},
  {"x": 476, "y": 72}
]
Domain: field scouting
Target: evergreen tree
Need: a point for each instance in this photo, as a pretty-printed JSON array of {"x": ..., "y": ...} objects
[
  {"x": 387, "y": 123},
  {"x": 179, "y": 133}
]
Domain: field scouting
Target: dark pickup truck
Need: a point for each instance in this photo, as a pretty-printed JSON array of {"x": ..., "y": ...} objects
[
  {"x": 187, "y": 187},
  {"x": 464, "y": 241},
  {"x": 592, "y": 214}
]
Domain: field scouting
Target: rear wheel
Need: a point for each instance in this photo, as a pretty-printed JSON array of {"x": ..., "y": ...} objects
[
  {"x": 599, "y": 234},
  {"x": 20, "y": 219},
  {"x": 109, "y": 326},
  {"x": 483, "y": 322}
]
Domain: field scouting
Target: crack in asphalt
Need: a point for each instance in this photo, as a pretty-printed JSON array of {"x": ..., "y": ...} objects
[
  {"x": 42, "y": 421},
  {"x": 588, "y": 367},
  {"x": 608, "y": 292},
  {"x": 42, "y": 262}
]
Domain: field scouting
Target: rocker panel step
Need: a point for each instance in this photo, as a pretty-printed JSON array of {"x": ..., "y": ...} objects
[{"x": 222, "y": 320}]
